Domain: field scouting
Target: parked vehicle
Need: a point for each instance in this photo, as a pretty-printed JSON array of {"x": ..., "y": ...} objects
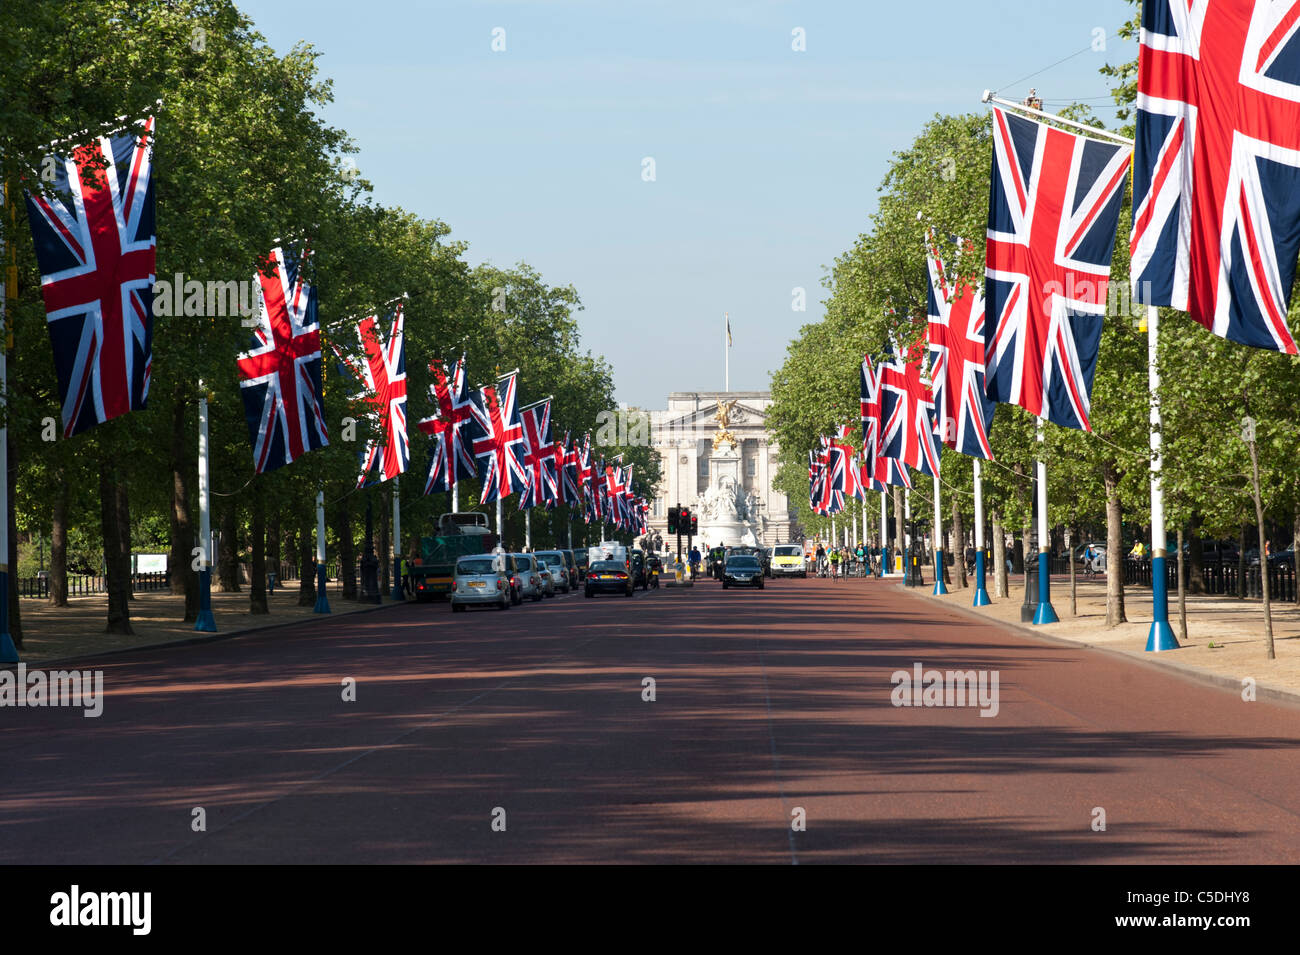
[
  {"x": 547, "y": 574},
  {"x": 530, "y": 584},
  {"x": 581, "y": 560},
  {"x": 608, "y": 577},
  {"x": 565, "y": 574},
  {"x": 459, "y": 534},
  {"x": 481, "y": 580}
]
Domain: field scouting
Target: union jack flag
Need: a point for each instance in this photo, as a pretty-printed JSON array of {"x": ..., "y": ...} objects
[
  {"x": 95, "y": 245},
  {"x": 539, "y": 457},
  {"x": 382, "y": 371},
  {"x": 1053, "y": 210},
  {"x": 877, "y": 471},
  {"x": 584, "y": 474},
  {"x": 845, "y": 474},
  {"x": 907, "y": 410},
  {"x": 280, "y": 376},
  {"x": 499, "y": 447},
  {"x": 1216, "y": 171},
  {"x": 566, "y": 460},
  {"x": 963, "y": 412},
  {"x": 454, "y": 427}
]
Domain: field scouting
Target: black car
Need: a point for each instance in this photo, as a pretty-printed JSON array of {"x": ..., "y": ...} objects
[
  {"x": 608, "y": 577},
  {"x": 639, "y": 576},
  {"x": 742, "y": 570}
]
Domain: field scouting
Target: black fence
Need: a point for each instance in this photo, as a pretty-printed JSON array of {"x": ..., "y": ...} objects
[
  {"x": 89, "y": 585},
  {"x": 1220, "y": 578}
]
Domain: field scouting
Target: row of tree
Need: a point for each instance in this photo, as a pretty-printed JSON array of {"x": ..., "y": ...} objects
[
  {"x": 877, "y": 289},
  {"x": 243, "y": 160}
]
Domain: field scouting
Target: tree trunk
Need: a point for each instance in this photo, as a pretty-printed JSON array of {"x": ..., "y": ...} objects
[
  {"x": 1242, "y": 543},
  {"x": 1071, "y": 535},
  {"x": 121, "y": 502},
  {"x": 257, "y": 585},
  {"x": 307, "y": 579},
  {"x": 1196, "y": 556},
  {"x": 59, "y": 543},
  {"x": 1182, "y": 593},
  {"x": 958, "y": 546},
  {"x": 273, "y": 544},
  {"x": 117, "y": 566},
  {"x": 1001, "y": 585},
  {"x": 347, "y": 550},
  {"x": 384, "y": 513},
  {"x": 184, "y": 579},
  {"x": 228, "y": 558},
  {"x": 1114, "y": 547},
  {"x": 1295, "y": 549}
]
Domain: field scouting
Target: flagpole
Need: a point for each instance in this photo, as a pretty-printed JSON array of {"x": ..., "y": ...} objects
[
  {"x": 322, "y": 602},
  {"x": 1045, "y": 613},
  {"x": 939, "y": 588},
  {"x": 884, "y": 531},
  {"x": 398, "y": 593},
  {"x": 205, "y": 622},
  {"x": 8, "y": 652},
  {"x": 907, "y": 534},
  {"x": 726, "y": 348},
  {"x": 1161, "y": 636},
  {"x": 981, "y": 593},
  {"x": 455, "y": 493},
  {"x": 501, "y": 511},
  {"x": 528, "y": 528}
]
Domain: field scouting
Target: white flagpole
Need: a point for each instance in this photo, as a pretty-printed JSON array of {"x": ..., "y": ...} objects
[
  {"x": 322, "y": 602},
  {"x": 884, "y": 532},
  {"x": 981, "y": 594},
  {"x": 939, "y": 587},
  {"x": 398, "y": 593},
  {"x": 8, "y": 652},
  {"x": 205, "y": 622},
  {"x": 528, "y": 528},
  {"x": 1161, "y": 636},
  {"x": 1045, "y": 613},
  {"x": 726, "y": 347}
]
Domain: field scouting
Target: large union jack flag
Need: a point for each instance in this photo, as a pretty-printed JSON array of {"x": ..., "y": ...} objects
[
  {"x": 584, "y": 472},
  {"x": 382, "y": 371},
  {"x": 845, "y": 472},
  {"x": 453, "y": 428},
  {"x": 280, "y": 376},
  {"x": 1216, "y": 170},
  {"x": 566, "y": 465},
  {"x": 963, "y": 412},
  {"x": 539, "y": 457},
  {"x": 1053, "y": 210},
  {"x": 907, "y": 412},
  {"x": 500, "y": 445},
  {"x": 95, "y": 245}
]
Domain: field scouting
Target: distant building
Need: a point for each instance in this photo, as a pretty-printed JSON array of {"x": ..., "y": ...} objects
[{"x": 683, "y": 437}]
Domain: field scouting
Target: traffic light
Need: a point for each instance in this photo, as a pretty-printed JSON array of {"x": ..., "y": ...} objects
[
  {"x": 683, "y": 519},
  {"x": 695, "y": 525},
  {"x": 672, "y": 520}
]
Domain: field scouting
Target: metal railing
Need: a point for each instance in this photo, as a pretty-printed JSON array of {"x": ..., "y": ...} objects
[{"x": 1220, "y": 578}]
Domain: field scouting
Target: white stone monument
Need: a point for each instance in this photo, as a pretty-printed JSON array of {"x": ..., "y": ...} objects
[{"x": 724, "y": 508}]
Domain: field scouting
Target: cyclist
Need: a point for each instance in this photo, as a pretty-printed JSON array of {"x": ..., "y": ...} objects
[
  {"x": 694, "y": 558},
  {"x": 835, "y": 564},
  {"x": 821, "y": 560}
]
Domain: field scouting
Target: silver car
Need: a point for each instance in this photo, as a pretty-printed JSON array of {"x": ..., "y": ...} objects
[
  {"x": 480, "y": 579},
  {"x": 552, "y": 573},
  {"x": 530, "y": 582}
]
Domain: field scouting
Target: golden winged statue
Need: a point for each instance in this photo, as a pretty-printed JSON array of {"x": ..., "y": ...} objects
[{"x": 723, "y": 417}]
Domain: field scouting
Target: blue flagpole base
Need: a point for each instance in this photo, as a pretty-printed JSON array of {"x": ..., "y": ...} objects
[
  {"x": 322, "y": 602},
  {"x": 1162, "y": 637},
  {"x": 939, "y": 588},
  {"x": 981, "y": 591},
  {"x": 8, "y": 652},
  {"x": 1045, "y": 613},
  {"x": 205, "y": 622}
]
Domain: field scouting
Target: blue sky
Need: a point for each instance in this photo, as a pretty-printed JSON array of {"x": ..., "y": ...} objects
[{"x": 766, "y": 159}]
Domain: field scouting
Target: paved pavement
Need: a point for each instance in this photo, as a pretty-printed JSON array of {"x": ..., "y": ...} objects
[{"x": 766, "y": 703}]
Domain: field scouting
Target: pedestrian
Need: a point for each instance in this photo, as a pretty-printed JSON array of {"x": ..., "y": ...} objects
[{"x": 821, "y": 559}]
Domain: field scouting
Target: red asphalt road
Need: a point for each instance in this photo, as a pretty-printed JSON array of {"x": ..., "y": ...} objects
[{"x": 765, "y": 702}]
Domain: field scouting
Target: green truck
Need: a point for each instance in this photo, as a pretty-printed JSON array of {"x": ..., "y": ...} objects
[{"x": 459, "y": 534}]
